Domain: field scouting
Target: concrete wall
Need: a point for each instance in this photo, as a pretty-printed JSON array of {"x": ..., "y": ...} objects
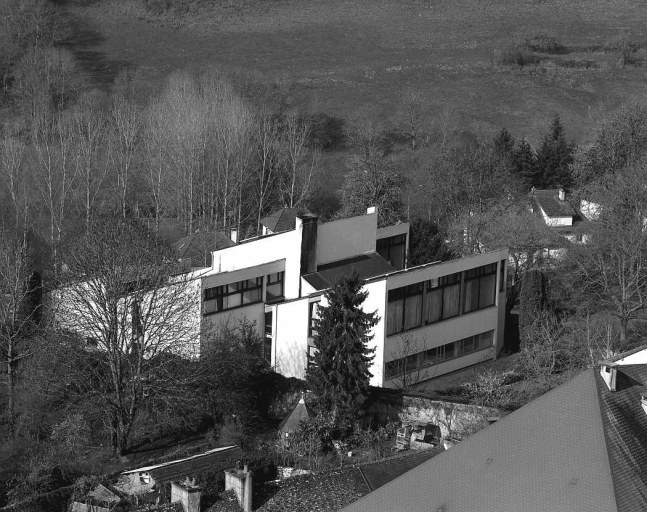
[
  {"x": 452, "y": 418},
  {"x": 346, "y": 238},
  {"x": 566, "y": 220},
  {"x": 291, "y": 338},
  {"x": 254, "y": 252},
  {"x": 171, "y": 315},
  {"x": 253, "y": 313},
  {"x": 376, "y": 302},
  {"x": 291, "y": 334}
]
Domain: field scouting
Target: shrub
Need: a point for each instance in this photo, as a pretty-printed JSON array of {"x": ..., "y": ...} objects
[
  {"x": 543, "y": 43},
  {"x": 514, "y": 56}
]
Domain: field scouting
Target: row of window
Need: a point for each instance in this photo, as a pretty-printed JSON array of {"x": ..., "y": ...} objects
[
  {"x": 441, "y": 298},
  {"x": 243, "y": 293},
  {"x": 436, "y": 355}
]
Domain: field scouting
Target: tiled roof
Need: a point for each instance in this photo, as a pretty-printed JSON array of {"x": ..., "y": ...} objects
[
  {"x": 549, "y": 201},
  {"x": 199, "y": 246},
  {"x": 625, "y": 429},
  {"x": 548, "y": 455},
  {"x": 293, "y": 420},
  {"x": 282, "y": 220},
  {"x": 367, "y": 266},
  {"x": 376, "y": 474},
  {"x": 213, "y": 460}
]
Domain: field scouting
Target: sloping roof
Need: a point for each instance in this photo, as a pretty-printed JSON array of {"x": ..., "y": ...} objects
[
  {"x": 549, "y": 455},
  {"x": 199, "y": 246},
  {"x": 281, "y": 220},
  {"x": 292, "y": 421},
  {"x": 549, "y": 201},
  {"x": 377, "y": 474},
  {"x": 216, "y": 459},
  {"x": 367, "y": 266},
  {"x": 625, "y": 428}
]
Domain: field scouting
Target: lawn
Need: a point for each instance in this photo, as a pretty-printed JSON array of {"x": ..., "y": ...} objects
[{"x": 340, "y": 56}]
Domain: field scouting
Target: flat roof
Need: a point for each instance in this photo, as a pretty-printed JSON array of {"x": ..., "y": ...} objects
[{"x": 366, "y": 265}]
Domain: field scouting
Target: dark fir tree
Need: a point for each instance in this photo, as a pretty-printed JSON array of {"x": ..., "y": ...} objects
[
  {"x": 554, "y": 157},
  {"x": 525, "y": 164},
  {"x": 338, "y": 372},
  {"x": 504, "y": 144},
  {"x": 427, "y": 243}
]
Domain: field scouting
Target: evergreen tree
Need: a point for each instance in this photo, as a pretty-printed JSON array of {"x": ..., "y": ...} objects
[
  {"x": 338, "y": 372},
  {"x": 554, "y": 157},
  {"x": 504, "y": 144},
  {"x": 525, "y": 164}
]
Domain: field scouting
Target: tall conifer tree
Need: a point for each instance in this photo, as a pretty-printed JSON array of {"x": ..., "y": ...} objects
[
  {"x": 338, "y": 372},
  {"x": 525, "y": 164},
  {"x": 554, "y": 157}
]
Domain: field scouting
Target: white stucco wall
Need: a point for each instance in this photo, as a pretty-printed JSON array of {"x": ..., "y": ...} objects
[
  {"x": 283, "y": 246},
  {"x": 566, "y": 220},
  {"x": 291, "y": 338},
  {"x": 346, "y": 238}
]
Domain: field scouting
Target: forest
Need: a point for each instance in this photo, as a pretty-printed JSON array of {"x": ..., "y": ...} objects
[{"x": 91, "y": 174}]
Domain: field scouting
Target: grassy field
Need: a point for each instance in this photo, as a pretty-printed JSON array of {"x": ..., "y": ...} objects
[{"x": 341, "y": 56}]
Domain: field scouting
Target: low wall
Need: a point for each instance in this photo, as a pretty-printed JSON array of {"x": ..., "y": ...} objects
[{"x": 454, "y": 419}]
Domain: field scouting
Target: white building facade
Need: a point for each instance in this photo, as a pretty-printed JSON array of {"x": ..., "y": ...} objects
[{"x": 433, "y": 319}]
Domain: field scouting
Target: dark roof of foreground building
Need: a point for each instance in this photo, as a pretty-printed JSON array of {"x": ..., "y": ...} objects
[
  {"x": 376, "y": 474},
  {"x": 366, "y": 265},
  {"x": 579, "y": 447},
  {"x": 625, "y": 429}
]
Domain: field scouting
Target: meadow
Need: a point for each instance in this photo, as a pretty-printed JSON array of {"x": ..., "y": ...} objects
[{"x": 480, "y": 64}]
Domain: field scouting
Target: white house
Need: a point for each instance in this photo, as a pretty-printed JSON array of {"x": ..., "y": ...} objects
[{"x": 434, "y": 318}]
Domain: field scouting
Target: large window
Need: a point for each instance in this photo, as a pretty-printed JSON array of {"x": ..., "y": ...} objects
[
  {"x": 393, "y": 249},
  {"x": 405, "y": 308},
  {"x": 441, "y": 298},
  {"x": 233, "y": 295},
  {"x": 480, "y": 288},
  {"x": 440, "y": 354},
  {"x": 274, "y": 288}
]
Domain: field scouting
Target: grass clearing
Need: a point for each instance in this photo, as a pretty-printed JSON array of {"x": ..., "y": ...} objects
[{"x": 341, "y": 56}]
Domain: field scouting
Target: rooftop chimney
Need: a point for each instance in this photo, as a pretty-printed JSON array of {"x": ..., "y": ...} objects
[
  {"x": 643, "y": 401},
  {"x": 609, "y": 373},
  {"x": 371, "y": 209},
  {"x": 234, "y": 235},
  {"x": 562, "y": 194}
]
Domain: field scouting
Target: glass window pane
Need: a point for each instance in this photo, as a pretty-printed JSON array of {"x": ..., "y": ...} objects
[
  {"x": 231, "y": 301},
  {"x": 433, "y": 305},
  {"x": 487, "y": 291},
  {"x": 394, "y": 316},
  {"x": 451, "y": 300},
  {"x": 413, "y": 310}
]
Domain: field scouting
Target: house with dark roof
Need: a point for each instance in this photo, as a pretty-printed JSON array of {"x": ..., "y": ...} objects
[
  {"x": 453, "y": 310},
  {"x": 553, "y": 207},
  {"x": 580, "y": 447},
  {"x": 197, "y": 248}
]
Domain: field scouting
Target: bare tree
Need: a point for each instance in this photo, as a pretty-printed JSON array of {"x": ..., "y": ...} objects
[
  {"x": 125, "y": 122},
  {"x": 301, "y": 165},
  {"x": 88, "y": 133},
  {"x": 121, "y": 293},
  {"x": 407, "y": 366},
  {"x": 55, "y": 177},
  {"x": 268, "y": 160},
  {"x": 609, "y": 272},
  {"x": 19, "y": 311},
  {"x": 14, "y": 178}
]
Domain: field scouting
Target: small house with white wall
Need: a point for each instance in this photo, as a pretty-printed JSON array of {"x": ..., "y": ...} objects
[{"x": 433, "y": 319}]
